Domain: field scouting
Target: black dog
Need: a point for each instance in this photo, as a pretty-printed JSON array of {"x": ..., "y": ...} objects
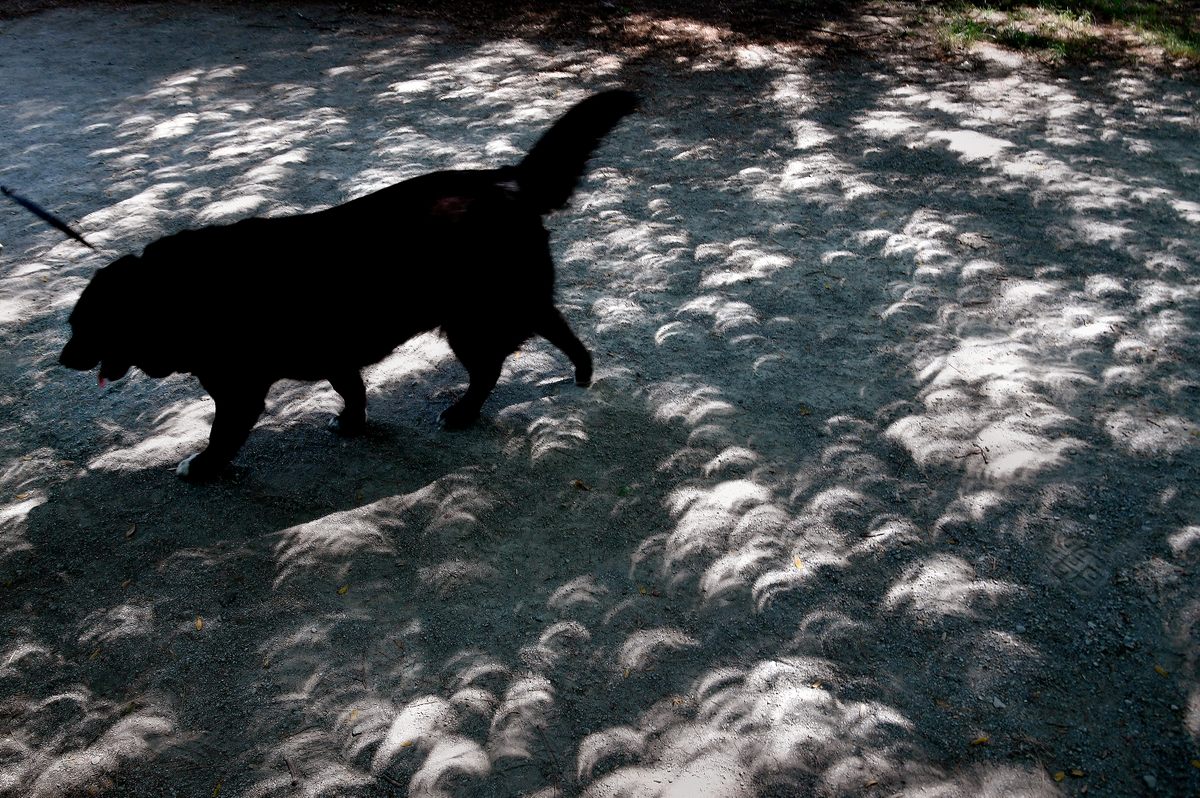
[{"x": 321, "y": 295}]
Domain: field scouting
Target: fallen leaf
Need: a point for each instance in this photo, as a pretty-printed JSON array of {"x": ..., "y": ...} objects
[
  {"x": 22, "y": 496},
  {"x": 973, "y": 240},
  {"x": 579, "y": 484},
  {"x": 1077, "y": 773},
  {"x": 129, "y": 533},
  {"x": 626, "y": 673},
  {"x": 817, "y": 685},
  {"x": 804, "y": 410},
  {"x": 353, "y": 714},
  {"x": 1196, "y": 764},
  {"x": 642, "y": 590},
  {"x": 942, "y": 703},
  {"x": 981, "y": 740},
  {"x": 677, "y": 700},
  {"x": 199, "y": 623},
  {"x": 94, "y": 654},
  {"x": 799, "y": 563},
  {"x": 406, "y": 744},
  {"x": 343, "y": 590},
  {"x": 1059, "y": 776},
  {"x": 217, "y": 790},
  {"x": 126, "y": 583},
  {"x": 266, "y": 663},
  {"x": 1160, "y": 670},
  {"x": 871, "y": 783}
]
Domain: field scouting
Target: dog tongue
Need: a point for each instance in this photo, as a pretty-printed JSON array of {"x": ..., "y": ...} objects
[{"x": 101, "y": 381}]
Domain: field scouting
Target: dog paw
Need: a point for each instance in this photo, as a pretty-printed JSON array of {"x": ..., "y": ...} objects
[
  {"x": 583, "y": 372},
  {"x": 347, "y": 427},
  {"x": 195, "y": 468},
  {"x": 184, "y": 469},
  {"x": 457, "y": 417}
]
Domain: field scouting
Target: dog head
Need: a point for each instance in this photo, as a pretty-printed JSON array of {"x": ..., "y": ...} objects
[{"x": 100, "y": 324}]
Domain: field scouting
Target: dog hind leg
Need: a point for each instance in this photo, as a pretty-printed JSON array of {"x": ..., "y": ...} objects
[
  {"x": 554, "y": 328},
  {"x": 353, "y": 417}
]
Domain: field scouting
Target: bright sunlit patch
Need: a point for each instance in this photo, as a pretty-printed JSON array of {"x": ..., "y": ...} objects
[
  {"x": 421, "y": 722},
  {"x": 944, "y": 585},
  {"x": 970, "y": 144},
  {"x": 178, "y": 428},
  {"x": 452, "y": 760},
  {"x": 582, "y": 591},
  {"x": 1184, "y": 540},
  {"x": 887, "y": 124},
  {"x": 175, "y": 127},
  {"x": 124, "y": 620}
]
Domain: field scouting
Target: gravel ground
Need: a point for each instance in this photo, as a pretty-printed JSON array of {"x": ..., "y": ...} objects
[{"x": 886, "y": 484}]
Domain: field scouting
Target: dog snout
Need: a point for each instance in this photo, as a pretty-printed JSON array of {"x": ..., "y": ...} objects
[{"x": 75, "y": 356}]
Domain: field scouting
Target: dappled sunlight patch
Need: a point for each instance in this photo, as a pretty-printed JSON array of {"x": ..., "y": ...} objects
[
  {"x": 14, "y": 516},
  {"x": 448, "y": 505},
  {"x": 452, "y": 760},
  {"x": 1143, "y": 436},
  {"x": 970, "y": 145},
  {"x": 447, "y": 578},
  {"x": 647, "y": 648},
  {"x": 685, "y": 400},
  {"x": 582, "y": 591},
  {"x": 620, "y": 745},
  {"x": 559, "y": 641},
  {"x": 178, "y": 428},
  {"x": 944, "y": 585},
  {"x": 745, "y": 261},
  {"x": 1020, "y": 446},
  {"x": 122, "y": 621},
  {"x": 705, "y": 520},
  {"x": 420, "y": 723},
  {"x": 120, "y": 743},
  {"x": 823, "y": 179},
  {"x": 524, "y": 709},
  {"x": 986, "y": 781},
  {"x": 1185, "y": 542},
  {"x": 777, "y": 723},
  {"x": 550, "y": 435}
]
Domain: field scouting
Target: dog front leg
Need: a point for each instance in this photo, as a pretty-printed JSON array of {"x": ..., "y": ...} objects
[
  {"x": 237, "y": 410},
  {"x": 483, "y": 365},
  {"x": 353, "y": 417}
]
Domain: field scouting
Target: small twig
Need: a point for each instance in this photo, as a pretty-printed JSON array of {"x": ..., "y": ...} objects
[
  {"x": 851, "y": 35},
  {"x": 979, "y": 450},
  {"x": 292, "y": 769},
  {"x": 524, "y": 763},
  {"x": 315, "y": 24}
]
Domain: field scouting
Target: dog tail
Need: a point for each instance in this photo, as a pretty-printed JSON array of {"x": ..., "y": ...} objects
[{"x": 549, "y": 173}]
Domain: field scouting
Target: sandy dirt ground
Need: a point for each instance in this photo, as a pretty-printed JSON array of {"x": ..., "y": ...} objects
[{"x": 886, "y": 484}]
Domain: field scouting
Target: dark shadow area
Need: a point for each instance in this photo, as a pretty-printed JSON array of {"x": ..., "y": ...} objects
[{"x": 883, "y": 486}]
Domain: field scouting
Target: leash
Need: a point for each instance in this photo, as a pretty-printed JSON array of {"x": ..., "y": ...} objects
[{"x": 44, "y": 215}]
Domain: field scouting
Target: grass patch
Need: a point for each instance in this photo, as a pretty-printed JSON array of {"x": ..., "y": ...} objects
[{"x": 1077, "y": 30}]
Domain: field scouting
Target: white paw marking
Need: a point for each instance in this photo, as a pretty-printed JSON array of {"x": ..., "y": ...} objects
[{"x": 184, "y": 467}]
